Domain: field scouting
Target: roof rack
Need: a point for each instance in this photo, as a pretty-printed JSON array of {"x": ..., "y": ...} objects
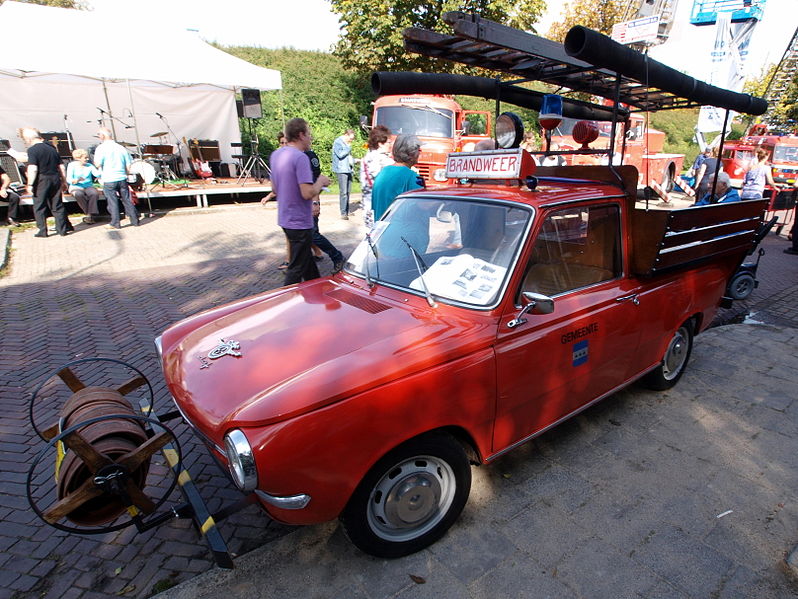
[{"x": 633, "y": 79}]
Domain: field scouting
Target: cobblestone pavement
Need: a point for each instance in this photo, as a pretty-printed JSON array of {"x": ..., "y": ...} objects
[{"x": 638, "y": 479}]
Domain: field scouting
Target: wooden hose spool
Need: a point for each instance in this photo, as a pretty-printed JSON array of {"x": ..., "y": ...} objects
[{"x": 103, "y": 454}]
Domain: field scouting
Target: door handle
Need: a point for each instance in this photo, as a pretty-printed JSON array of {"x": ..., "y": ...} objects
[{"x": 633, "y": 298}]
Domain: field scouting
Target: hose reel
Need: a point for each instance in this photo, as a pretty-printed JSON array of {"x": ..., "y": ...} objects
[{"x": 101, "y": 451}]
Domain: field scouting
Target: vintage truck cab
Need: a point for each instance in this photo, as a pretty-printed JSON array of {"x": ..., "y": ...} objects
[{"x": 470, "y": 319}]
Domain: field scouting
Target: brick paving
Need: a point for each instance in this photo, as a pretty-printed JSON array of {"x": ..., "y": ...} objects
[{"x": 109, "y": 293}]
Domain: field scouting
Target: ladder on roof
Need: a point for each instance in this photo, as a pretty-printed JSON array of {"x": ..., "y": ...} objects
[
  {"x": 778, "y": 85},
  {"x": 705, "y": 12}
]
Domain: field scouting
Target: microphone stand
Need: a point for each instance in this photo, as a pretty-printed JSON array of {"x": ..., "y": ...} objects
[
  {"x": 178, "y": 143},
  {"x": 70, "y": 141}
]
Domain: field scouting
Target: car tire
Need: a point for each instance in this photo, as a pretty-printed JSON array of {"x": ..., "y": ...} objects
[
  {"x": 410, "y": 498},
  {"x": 674, "y": 362},
  {"x": 741, "y": 286}
]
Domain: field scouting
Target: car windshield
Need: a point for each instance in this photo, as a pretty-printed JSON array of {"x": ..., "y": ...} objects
[
  {"x": 418, "y": 120},
  {"x": 464, "y": 248}
]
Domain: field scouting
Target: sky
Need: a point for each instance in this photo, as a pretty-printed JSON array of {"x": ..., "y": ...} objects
[{"x": 309, "y": 25}]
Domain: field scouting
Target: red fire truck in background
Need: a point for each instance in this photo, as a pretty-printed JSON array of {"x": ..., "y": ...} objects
[
  {"x": 643, "y": 150},
  {"x": 439, "y": 122}
]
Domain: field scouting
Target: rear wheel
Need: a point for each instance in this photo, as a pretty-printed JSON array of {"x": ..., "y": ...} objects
[
  {"x": 410, "y": 498},
  {"x": 674, "y": 362}
]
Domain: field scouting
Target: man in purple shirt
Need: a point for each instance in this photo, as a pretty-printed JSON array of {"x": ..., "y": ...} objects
[{"x": 292, "y": 181}]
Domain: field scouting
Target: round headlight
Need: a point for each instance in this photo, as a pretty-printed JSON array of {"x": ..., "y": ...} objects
[
  {"x": 439, "y": 174},
  {"x": 241, "y": 460}
]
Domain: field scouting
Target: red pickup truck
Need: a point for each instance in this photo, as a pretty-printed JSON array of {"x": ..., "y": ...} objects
[{"x": 472, "y": 318}]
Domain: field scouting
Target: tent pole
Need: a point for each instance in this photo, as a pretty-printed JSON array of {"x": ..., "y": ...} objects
[
  {"x": 138, "y": 140},
  {"x": 108, "y": 105}
]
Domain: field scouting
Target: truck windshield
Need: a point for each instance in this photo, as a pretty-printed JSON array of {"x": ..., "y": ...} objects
[
  {"x": 421, "y": 120},
  {"x": 785, "y": 154},
  {"x": 465, "y": 249},
  {"x": 566, "y": 128}
]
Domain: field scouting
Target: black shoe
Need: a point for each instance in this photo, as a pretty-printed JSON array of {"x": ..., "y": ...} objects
[
  {"x": 338, "y": 266},
  {"x": 88, "y": 220},
  {"x": 791, "y": 251},
  {"x": 41, "y": 234}
]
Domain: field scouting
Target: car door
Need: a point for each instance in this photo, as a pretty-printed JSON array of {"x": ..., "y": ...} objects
[{"x": 554, "y": 364}]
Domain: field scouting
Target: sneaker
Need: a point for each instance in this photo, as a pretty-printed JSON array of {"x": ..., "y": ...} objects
[{"x": 791, "y": 251}]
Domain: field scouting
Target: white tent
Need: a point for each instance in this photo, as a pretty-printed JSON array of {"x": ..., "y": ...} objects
[{"x": 64, "y": 68}]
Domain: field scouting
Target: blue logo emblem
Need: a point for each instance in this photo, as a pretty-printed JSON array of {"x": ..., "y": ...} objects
[{"x": 580, "y": 353}]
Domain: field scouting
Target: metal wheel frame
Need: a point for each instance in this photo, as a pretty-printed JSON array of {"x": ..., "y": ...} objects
[
  {"x": 401, "y": 493},
  {"x": 51, "y": 445},
  {"x": 84, "y": 361},
  {"x": 675, "y": 357}
]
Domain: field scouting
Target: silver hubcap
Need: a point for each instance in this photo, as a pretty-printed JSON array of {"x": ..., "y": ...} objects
[
  {"x": 411, "y": 498},
  {"x": 676, "y": 355}
]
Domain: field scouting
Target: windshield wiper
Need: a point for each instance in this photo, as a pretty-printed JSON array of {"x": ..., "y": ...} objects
[
  {"x": 432, "y": 109},
  {"x": 419, "y": 261},
  {"x": 369, "y": 280}
]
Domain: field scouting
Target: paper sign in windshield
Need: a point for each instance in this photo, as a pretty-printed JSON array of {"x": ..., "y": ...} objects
[{"x": 463, "y": 278}]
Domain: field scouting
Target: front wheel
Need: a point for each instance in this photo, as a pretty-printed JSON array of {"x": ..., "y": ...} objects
[
  {"x": 674, "y": 362},
  {"x": 410, "y": 498}
]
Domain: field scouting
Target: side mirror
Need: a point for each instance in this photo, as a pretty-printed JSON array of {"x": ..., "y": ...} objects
[
  {"x": 533, "y": 303},
  {"x": 537, "y": 302}
]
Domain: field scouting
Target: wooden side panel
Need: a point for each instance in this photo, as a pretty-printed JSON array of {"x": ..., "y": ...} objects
[{"x": 670, "y": 239}]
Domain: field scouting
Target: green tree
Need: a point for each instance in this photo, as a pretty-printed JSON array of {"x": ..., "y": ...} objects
[
  {"x": 78, "y": 4},
  {"x": 316, "y": 88},
  {"x": 595, "y": 14},
  {"x": 371, "y": 37}
]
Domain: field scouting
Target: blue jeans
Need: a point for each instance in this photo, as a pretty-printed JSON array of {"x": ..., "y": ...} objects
[
  {"x": 324, "y": 244},
  {"x": 344, "y": 185},
  {"x": 114, "y": 192}
]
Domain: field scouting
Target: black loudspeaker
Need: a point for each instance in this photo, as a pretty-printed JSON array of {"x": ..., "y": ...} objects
[
  {"x": 60, "y": 142},
  {"x": 250, "y": 98},
  {"x": 11, "y": 168},
  {"x": 240, "y": 109}
]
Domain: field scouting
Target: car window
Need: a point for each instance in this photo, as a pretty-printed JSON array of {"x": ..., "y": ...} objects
[
  {"x": 465, "y": 247},
  {"x": 575, "y": 248}
]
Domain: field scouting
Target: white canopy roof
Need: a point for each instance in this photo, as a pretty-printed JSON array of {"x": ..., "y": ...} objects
[
  {"x": 42, "y": 41},
  {"x": 74, "y": 70}
]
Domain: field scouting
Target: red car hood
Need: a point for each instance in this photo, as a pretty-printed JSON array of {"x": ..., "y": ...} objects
[{"x": 304, "y": 347}]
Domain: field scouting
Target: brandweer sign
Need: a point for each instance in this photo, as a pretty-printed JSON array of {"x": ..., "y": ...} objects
[{"x": 495, "y": 164}]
